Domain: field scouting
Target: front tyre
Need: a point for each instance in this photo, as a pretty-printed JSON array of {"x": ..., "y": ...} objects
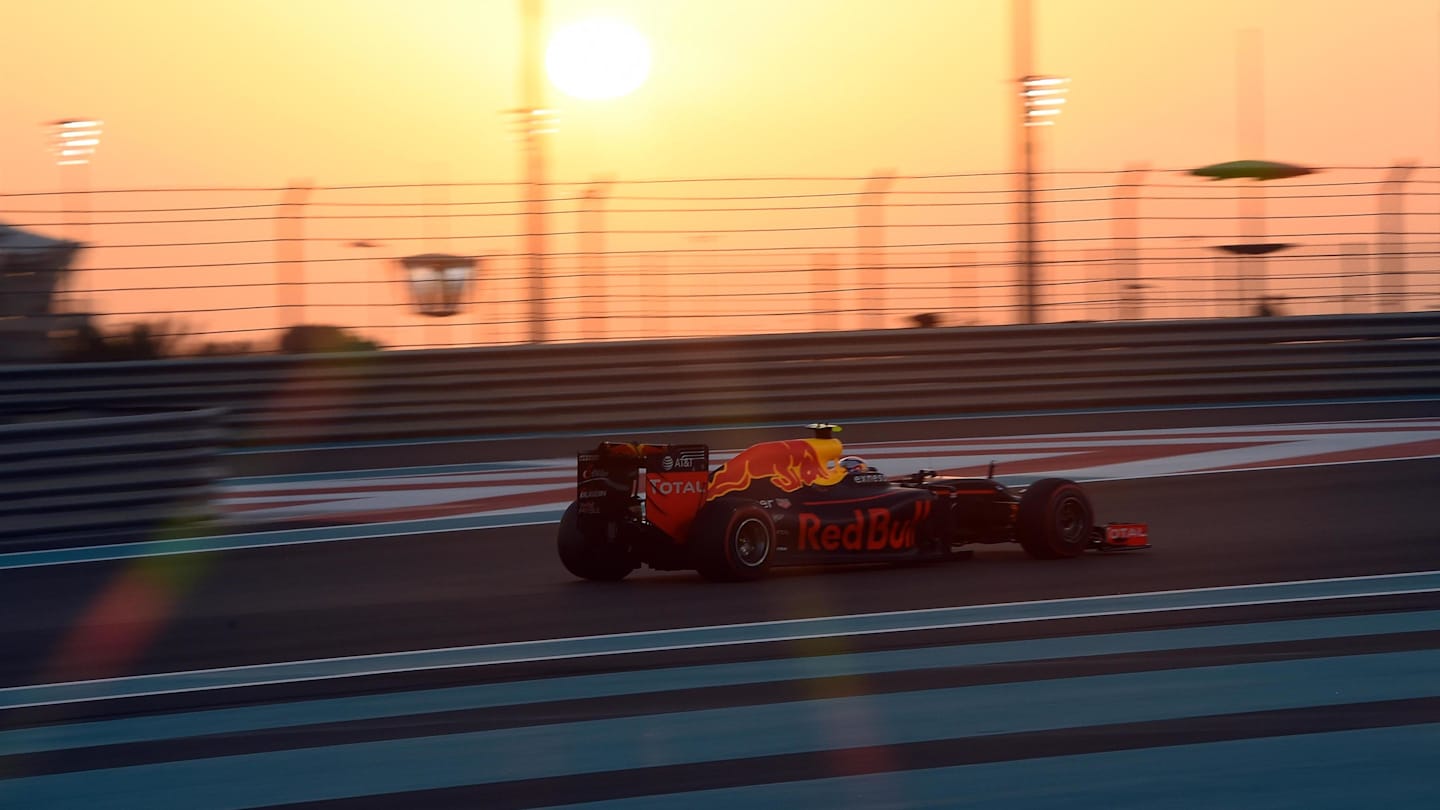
[
  {"x": 732, "y": 541},
  {"x": 590, "y": 557},
  {"x": 1055, "y": 519}
]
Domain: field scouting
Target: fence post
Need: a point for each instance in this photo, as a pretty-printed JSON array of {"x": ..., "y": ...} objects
[
  {"x": 594, "y": 285},
  {"x": 824, "y": 283},
  {"x": 871, "y": 248},
  {"x": 290, "y": 253},
  {"x": 1124, "y": 231},
  {"x": 655, "y": 281},
  {"x": 962, "y": 277},
  {"x": 1354, "y": 277},
  {"x": 1390, "y": 237}
]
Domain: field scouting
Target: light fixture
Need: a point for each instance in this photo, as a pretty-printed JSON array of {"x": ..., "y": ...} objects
[
  {"x": 438, "y": 282},
  {"x": 74, "y": 140},
  {"x": 1044, "y": 96}
]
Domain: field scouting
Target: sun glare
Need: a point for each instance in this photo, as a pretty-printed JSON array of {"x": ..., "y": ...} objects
[{"x": 598, "y": 59}]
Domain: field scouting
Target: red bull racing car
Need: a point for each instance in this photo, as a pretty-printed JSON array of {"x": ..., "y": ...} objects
[{"x": 803, "y": 502}]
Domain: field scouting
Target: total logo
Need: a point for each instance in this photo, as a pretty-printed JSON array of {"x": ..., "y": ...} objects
[
  {"x": 1127, "y": 534},
  {"x": 868, "y": 530},
  {"x": 663, "y": 487}
]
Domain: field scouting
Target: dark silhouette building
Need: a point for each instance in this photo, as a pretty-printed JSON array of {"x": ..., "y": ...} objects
[{"x": 31, "y": 268}]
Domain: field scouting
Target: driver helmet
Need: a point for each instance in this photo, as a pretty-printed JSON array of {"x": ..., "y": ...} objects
[{"x": 854, "y": 464}]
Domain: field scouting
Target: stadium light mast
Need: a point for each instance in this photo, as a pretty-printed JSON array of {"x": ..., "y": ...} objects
[
  {"x": 74, "y": 142},
  {"x": 1041, "y": 100},
  {"x": 76, "y": 139},
  {"x": 536, "y": 123},
  {"x": 1038, "y": 103}
]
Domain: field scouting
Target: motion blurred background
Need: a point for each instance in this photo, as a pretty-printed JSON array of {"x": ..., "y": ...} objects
[{"x": 811, "y": 165}]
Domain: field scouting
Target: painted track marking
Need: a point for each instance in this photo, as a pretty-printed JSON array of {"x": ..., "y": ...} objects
[{"x": 720, "y": 636}]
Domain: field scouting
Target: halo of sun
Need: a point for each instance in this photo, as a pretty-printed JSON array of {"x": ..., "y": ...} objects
[{"x": 598, "y": 59}]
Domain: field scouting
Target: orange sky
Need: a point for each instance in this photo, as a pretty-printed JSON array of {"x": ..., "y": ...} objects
[
  {"x": 260, "y": 91},
  {"x": 201, "y": 93}
]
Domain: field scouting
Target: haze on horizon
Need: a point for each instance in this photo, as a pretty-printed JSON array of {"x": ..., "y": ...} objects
[{"x": 254, "y": 92}]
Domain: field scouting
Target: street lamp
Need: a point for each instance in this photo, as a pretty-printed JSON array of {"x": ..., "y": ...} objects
[
  {"x": 438, "y": 282},
  {"x": 1042, "y": 98},
  {"x": 1251, "y": 170},
  {"x": 1249, "y": 249},
  {"x": 1253, "y": 214}
]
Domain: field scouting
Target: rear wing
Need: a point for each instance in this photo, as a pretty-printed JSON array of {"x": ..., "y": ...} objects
[{"x": 609, "y": 483}]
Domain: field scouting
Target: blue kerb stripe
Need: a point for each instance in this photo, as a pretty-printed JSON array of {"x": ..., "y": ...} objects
[
  {"x": 585, "y": 687},
  {"x": 710, "y": 735},
  {"x": 1382, "y": 767},
  {"x": 724, "y": 635}
]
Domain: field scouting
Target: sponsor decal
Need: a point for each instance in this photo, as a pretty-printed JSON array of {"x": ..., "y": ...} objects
[
  {"x": 677, "y": 487},
  {"x": 672, "y": 499},
  {"x": 691, "y": 459},
  {"x": 788, "y": 465},
  {"x": 688, "y": 458},
  {"x": 1127, "y": 534},
  {"x": 869, "y": 478},
  {"x": 876, "y": 529}
]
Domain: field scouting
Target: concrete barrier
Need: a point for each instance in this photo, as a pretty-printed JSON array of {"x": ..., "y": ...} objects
[
  {"x": 114, "y": 479},
  {"x": 523, "y": 389}
]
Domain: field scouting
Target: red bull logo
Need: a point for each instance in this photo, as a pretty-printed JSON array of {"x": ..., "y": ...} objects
[
  {"x": 875, "y": 529},
  {"x": 788, "y": 465}
]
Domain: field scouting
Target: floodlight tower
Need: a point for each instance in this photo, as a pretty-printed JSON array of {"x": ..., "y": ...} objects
[
  {"x": 536, "y": 124},
  {"x": 1041, "y": 100},
  {"x": 74, "y": 141}
]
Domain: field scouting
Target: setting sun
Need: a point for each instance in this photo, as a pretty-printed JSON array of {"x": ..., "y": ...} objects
[{"x": 598, "y": 59}]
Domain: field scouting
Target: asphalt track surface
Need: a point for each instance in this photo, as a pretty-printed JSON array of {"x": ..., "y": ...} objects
[{"x": 385, "y": 595}]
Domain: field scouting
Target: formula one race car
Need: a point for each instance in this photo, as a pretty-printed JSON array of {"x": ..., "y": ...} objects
[{"x": 802, "y": 502}]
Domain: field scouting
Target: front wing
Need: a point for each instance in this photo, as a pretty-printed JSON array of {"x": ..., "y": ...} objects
[{"x": 1120, "y": 537}]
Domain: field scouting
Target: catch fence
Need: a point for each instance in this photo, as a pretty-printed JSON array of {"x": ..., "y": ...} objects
[{"x": 229, "y": 270}]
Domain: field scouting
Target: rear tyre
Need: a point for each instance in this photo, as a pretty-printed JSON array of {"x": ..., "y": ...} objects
[
  {"x": 590, "y": 557},
  {"x": 1055, "y": 519},
  {"x": 732, "y": 541}
]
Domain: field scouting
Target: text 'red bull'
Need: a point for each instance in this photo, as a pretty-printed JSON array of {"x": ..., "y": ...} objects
[
  {"x": 871, "y": 530},
  {"x": 788, "y": 465}
]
